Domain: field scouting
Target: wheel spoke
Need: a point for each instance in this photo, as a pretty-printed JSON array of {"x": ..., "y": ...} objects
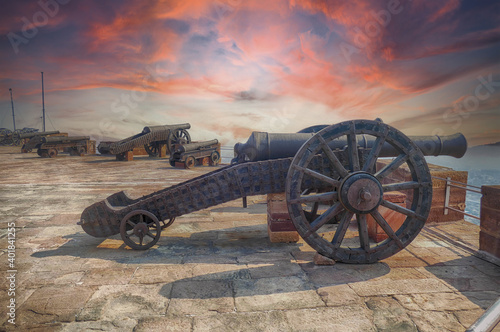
[
  {"x": 375, "y": 150},
  {"x": 318, "y": 176},
  {"x": 332, "y": 157},
  {"x": 386, "y": 227},
  {"x": 150, "y": 235},
  {"x": 363, "y": 232},
  {"x": 326, "y": 217},
  {"x": 392, "y": 166},
  {"x": 352, "y": 145},
  {"x": 342, "y": 229},
  {"x": 141, "y": 218},
  {"x": 403, "y": 186},
  {"x": 314, "y": 209},
  {"x": 324, "y": 197},
  {"x": 141, "y": 237},
  {"x": 402, "y": 210},
  {"x": 131, "y": 223}
]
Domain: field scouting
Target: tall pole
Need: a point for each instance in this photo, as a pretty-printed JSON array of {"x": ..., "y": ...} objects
[
  {"x": 43, "y": 104},
  {"x": 13, "y": 114}
]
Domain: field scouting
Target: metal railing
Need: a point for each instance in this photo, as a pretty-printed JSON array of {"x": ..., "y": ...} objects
[{"x": 456, "y": 184}]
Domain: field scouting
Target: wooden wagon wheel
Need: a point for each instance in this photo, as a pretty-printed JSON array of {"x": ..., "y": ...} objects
[
  {"x": 44, "y": 153},
  {"x": 16, "y": 137},
  {"x": 153, "y": 149},
  {"x": 356, "y": 192},
  {"x": 52, "y": 153},
  {"x": 190, "y": 162},
  {"x": 177, "y": 136},
  {"x": 214, "y": 158},
  {"x": 140, "y": 229}
]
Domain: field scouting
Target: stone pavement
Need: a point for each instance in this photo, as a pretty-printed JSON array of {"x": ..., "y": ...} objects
[{"x": 213, "y": 270}]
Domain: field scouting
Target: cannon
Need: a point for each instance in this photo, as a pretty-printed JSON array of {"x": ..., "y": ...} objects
[
  {"x": 27, "y": 137},
  {"x": 5, "y": 136},
  {"x": 152, "y": 138},
  {"x": 15, "y": 137},
  {"x": 331, "y": 183},
  {"x": 49, "y": 147},
  {"x": 189, "y": 155}
]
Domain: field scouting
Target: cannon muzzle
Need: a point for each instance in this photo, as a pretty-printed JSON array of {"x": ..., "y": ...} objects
[{"x": 264, "y": 146}]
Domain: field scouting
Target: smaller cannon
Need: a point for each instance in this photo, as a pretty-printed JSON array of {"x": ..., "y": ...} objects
[
  {"x": 5, "y": 136},
  {"x": 49, "y": 147},
  {"x": 152, "y": 138},
  {"x": 27, "y": 137},
  {"x": 15, "y": 137},
  {"x": 199, "y": 153}
]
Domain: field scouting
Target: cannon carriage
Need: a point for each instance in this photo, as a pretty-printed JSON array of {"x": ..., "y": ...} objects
[
  {"x": 49, "y": 147},
  {"x": 152, "y": 138},
  {"x": 16, "y": 137},
  {"x": 30, "y": 140},
  {"x": 198, "y": 153},
  {"x": 330, "y": 179}
]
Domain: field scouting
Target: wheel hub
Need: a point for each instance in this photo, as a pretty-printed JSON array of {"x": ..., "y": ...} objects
[
  {"x": 361, "y": 192},
  {"x": 140, "y": 229}
]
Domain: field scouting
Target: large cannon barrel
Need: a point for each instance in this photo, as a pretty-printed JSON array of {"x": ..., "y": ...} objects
[
  {"x": 195, "y": 146},
  {"x": 33, "y": 134},
  {"x": 64, "y": 139},
  {"x": 264, "y": 146},
  {"x": 150, "y": 129}
]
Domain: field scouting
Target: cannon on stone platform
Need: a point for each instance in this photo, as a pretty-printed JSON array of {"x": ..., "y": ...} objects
[
  {"x": 16, "y": 137},
  {"x": 332, "y": 188},
  {"x": 30, "y": 140},
  {"x": 49, "y": 147},
  {"x": 152, "y": 138},
  {"x": 199, "y": 153}
]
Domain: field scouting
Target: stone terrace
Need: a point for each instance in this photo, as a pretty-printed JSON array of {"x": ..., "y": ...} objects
[{"x": 214, "y": 270}]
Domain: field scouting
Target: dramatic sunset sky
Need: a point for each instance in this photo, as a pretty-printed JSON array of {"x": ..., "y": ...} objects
[{"x": 230, "y": 67}]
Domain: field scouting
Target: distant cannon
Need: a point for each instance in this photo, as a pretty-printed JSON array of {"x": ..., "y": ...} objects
[
  {"x": 152, "y": 138},
  {"x": 49, "y": 147},
  {"x": 331, "y": 184},
  {"x": 14, "y": 137},
  {"x": 189, "y": 155},
  {"x": 27, "y": 137}
]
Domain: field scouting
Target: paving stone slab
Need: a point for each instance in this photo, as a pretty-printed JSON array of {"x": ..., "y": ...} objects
[
  {"x": 432, "y": 321},
  {"x": 162, "y": 274},
  {"x": 391, "y": 287},
  {"x": 49, "y": 304},
  {"x": 281, "y": 293},
  {"x": 201, "y": 297},
  {"x": 167, "y": 324},
  {"x": 389, "y": 315},
  {"x": 112, "y": 302},
  {"x": 352, "y": 318},
  {"x": 339, "y": 295},
  {"x": 273, "y": 321}
]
